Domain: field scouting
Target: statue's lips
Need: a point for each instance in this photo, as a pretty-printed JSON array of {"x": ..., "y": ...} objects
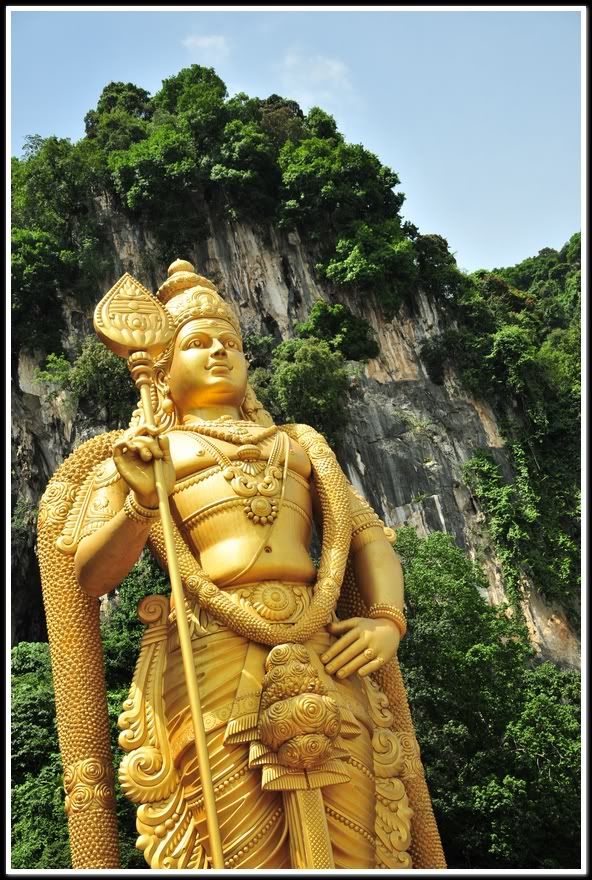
[{"x": 219, "y": 369}]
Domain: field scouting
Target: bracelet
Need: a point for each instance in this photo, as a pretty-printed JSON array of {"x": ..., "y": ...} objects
[
  {"x": 137, "y": 512},
  {"x": 390, "y": 613}
]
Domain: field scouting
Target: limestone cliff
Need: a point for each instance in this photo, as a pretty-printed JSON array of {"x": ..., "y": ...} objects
[{"x": 405, "y": 444}]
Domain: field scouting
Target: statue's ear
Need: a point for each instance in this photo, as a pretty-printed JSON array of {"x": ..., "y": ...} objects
[{"x": 253, "y": 410}]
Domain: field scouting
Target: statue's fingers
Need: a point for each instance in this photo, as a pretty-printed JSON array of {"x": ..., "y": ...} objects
[
  {"x": 344, "y": 656},
  {"x": 334, "y": 649},
  {"x": 339, "y": 626},
  {"x": 372, "y": 666},
  {"x": 353, "y": 666},
  {"x": 150, "y": 445},
  {"x": 165, "y": 446},
  {"x": 120, "y": 448}
]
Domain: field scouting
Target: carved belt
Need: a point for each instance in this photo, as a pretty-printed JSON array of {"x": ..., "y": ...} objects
[{"x": 273, "y": 601}]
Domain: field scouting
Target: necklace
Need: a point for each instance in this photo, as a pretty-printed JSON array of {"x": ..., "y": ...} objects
[
  {"x": 224, "y": 428},
  {"x": 257, "y": 483}
]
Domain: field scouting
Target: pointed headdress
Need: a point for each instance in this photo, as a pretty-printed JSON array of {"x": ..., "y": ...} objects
[{"x": 188, "y": 296}]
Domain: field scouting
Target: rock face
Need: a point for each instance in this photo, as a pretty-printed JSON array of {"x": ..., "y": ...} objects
[{"x": 405, "y": 444}]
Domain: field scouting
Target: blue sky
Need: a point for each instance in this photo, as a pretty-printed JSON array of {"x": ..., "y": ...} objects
[{"x": 478, "y": 112}]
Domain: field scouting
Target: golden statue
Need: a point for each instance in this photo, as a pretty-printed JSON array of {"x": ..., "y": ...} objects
[{"x": 267, "y": 724}]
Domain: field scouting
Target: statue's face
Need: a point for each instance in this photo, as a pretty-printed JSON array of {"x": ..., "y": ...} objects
[{"x": 208, "y": 366}]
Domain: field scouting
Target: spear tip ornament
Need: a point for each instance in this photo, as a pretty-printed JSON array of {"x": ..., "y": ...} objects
[{"x": 130, "y": 319}]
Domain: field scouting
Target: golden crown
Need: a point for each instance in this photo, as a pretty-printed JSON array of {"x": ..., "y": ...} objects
[{"x": 188, "y": 296}]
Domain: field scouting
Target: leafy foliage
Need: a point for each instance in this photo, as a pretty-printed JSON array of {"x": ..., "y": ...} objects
[
  {"x": 519, "y": 347},
  {"x": 306, "y": 379},
  {"x": 329, "y": 184},
  {"x": 527, "y": 535},
  {"x": 57, "y": 241},
  {"x": 39, "y": 270},
  {"x": 39, "y": 832},
  {"x": 375, "y": 258},
  {"x": 282, "y": 120},
  {"x": 499, "y": 737},
  {"x": 120, "y": 119},
  {"x": 343, "y": 331},
  {"x": 97, "y": 379},
  {"x": 437, "y": 271},
  {"x": 247, "y": 169},
  {"x": 306, "y": 382},
  {"x": 156, "y": 171},
  {"x": 121, "y": 628}
]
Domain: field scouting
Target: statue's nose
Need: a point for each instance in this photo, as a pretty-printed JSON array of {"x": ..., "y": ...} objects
[{"x": 217, "y": 348}]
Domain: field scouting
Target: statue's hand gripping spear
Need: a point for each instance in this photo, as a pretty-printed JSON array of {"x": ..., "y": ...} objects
[{"x": 134, "y": 325}]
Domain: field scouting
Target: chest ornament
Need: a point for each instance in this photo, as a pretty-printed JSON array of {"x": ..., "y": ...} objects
[{"x": 258, "y": 483}]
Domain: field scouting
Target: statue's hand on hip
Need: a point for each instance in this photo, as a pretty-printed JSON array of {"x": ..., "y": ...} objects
[
  {"x": 134, "y": 455},
  {"x": 363, "y": 646}
]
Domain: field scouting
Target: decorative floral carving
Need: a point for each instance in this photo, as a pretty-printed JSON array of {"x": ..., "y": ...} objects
[
  {"x": 88, "y": 784},
  {"x": 298, "y": 721}
]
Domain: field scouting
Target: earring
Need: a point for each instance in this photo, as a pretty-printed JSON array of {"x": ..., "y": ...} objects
[{"x": 167, "y": 403}]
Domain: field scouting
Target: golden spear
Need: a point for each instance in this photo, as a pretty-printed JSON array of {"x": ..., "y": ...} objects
[{"x": 133, "y": 324}]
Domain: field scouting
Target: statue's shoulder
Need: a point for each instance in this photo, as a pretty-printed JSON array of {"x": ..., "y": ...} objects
[
  {"x": 75, "y": 469},
  {"x": 308, "y": 437},
  {"x": 64, "y": 503}
]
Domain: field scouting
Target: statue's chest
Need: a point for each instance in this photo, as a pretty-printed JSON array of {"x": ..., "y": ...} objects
[
  {"x": 192, "y": 454},
  {"x": 250, "y": 479}
]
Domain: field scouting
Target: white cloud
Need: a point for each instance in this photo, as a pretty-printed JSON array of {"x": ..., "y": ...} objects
[
  {"x": 207, "y": 49},
  {"x": 315, "y": 79}
]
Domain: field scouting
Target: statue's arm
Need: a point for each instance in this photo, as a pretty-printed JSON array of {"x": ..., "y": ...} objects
[
  {"x": 365, "y": 644},
  {"x": 105, "y": 555},
  {"x": 376, "y": 565}
]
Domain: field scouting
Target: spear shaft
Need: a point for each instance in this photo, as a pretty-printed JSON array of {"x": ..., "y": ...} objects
[
  {"x": 134, "y": 324},
  {"x": 141, "y": 365}
]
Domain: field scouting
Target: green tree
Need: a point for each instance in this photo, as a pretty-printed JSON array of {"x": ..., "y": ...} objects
[
  {"x": 39, "y": 827},
  {"x": 499, "y": 737},
  {"x": 247, "y": 170},
  {"x": 375, "y": 258},
  {"x": 281, "y": 120},
  {"x": 120, "y": 118},
  {"x": 121, "y": 628},
  {"x": 306, "y": 379},
  {"x": 329, "y": 185},
  {"x": 350, "y": 335},
  {"x": 98, "y": 381},
  {"x": 307, "y": 382},
  {"x": 437, "y": 271},
  {"x": 196, "y": 97},
  {"x": 157, "y": 175},
  {"x": 322, "y": 125},
  {"x": 58, "y": 239},
  {"x": 126, "y": 97},
  {"x": 40, "y": 271}
]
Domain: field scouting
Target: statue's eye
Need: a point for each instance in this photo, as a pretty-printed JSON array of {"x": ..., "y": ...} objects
[
  {"x": 230, "y": 343},
  {"x": 196, "y": 343}
]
